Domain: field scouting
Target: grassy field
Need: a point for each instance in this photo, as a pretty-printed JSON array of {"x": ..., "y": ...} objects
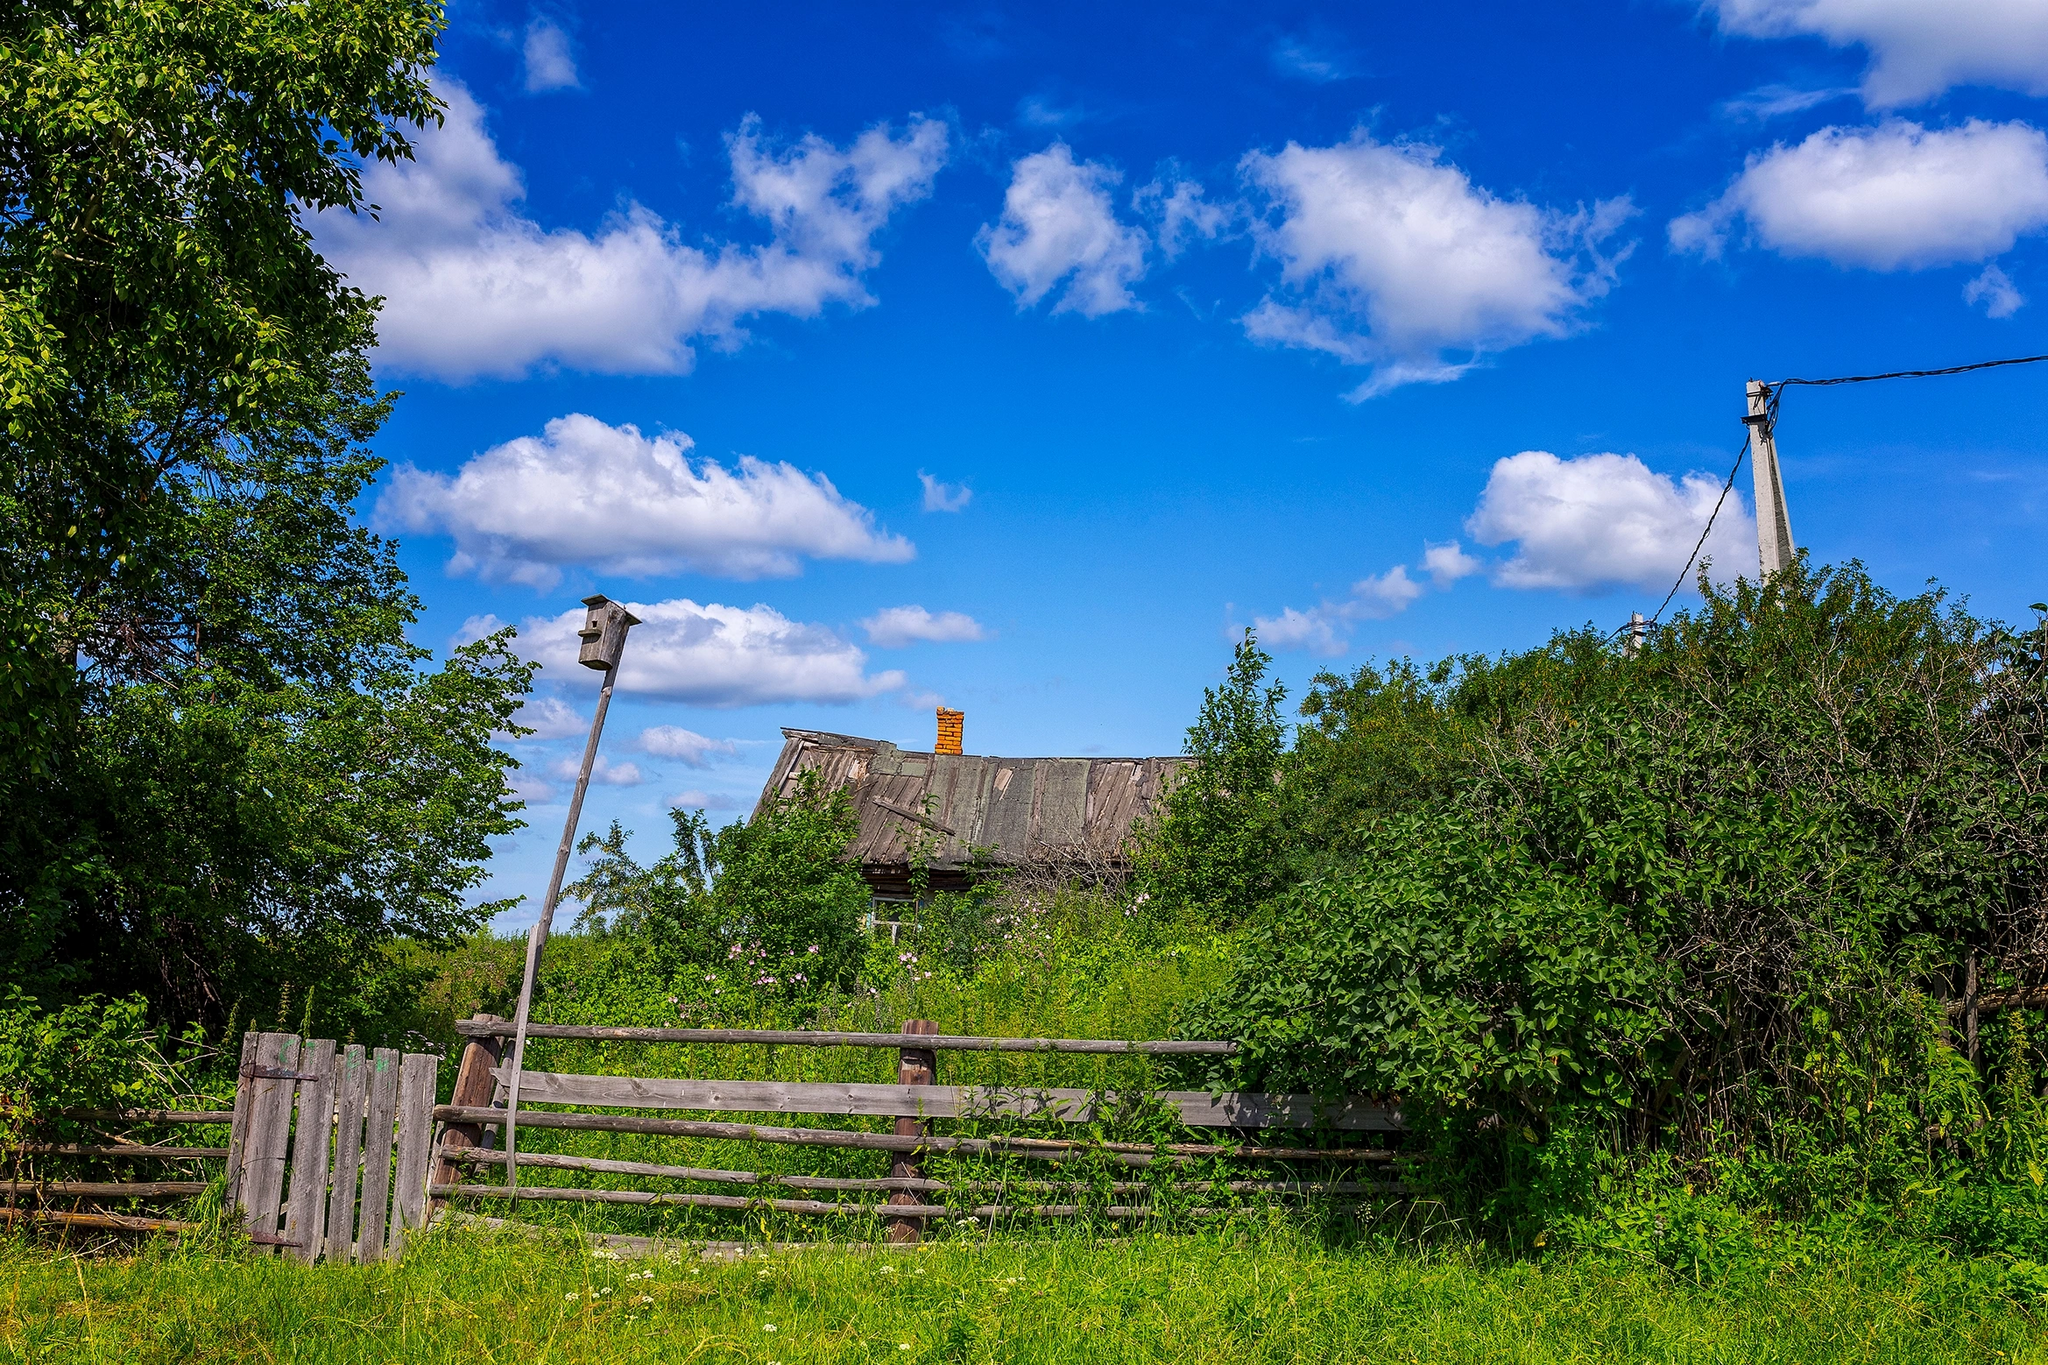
[{"x": 1238, "y": 1297}]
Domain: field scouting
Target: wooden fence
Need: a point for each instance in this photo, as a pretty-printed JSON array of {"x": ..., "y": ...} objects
[
  {"x": 340, "y": 1153},
  {"x": 327, "y": 1153},
  {"x": 913, "y": 1103}
]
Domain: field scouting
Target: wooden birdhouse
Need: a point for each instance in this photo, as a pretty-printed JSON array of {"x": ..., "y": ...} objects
[{"x": 605, "y": 624}]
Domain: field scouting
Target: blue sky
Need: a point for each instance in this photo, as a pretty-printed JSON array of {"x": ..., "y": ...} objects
[{"x": 1015, "y": 357}]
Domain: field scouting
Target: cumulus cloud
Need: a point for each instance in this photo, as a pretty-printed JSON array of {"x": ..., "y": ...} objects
[
  {"x": 584, "y": 492},
  {"x": 1917, "y": 48},
  {"x": 474, "y": 628},
  {"x": 697, "y": 799},
  {"x": 688, "y": 747},
  {"x": 604, "y": 772},
  {"x": 1447, "y": 563},
  {"x": 474, "y": 287},
  {"x": 549, "y": 63},
  {"x": 533, "y": 790},
  {"x": 1059, "y": 230},
  {"x": 893, "y": 627},
  {"x": 1599, "y": 521},
  {"x": 940, "y": 496},
  {"x": 1326, "y": 627},
  {"x": 551, "y": 718},
  {"x": 1183, "y": 212},
  {"x": 714, "y": 655},
  {"x": 1996, "y": 291},
  {"x": 1894, "y": 197},
  {"x": 1390, "y": 258}
]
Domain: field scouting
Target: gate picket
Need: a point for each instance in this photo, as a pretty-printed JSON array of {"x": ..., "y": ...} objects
[
  {"x": 377, "y": 1136},
  {"x": 270, "y": 1127},
  {"x": 348, "y": 1154},
  {"x": 306, "y": 1204}
]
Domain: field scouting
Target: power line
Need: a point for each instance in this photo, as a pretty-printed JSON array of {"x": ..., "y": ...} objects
[
  {"x": 1777, "y": 390},
  {"x": 1700, "y": 544}
]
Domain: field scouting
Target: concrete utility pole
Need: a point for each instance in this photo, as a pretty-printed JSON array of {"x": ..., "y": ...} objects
[
  {"x": 1774, "y": 546},
  {"x": 605, "y": 624}
]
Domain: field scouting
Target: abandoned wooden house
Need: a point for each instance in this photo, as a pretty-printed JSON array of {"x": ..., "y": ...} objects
[{"x": 954, "y": 811}]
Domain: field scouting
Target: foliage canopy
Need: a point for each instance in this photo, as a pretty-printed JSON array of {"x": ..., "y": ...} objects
[{"x": 223, "y": 773}]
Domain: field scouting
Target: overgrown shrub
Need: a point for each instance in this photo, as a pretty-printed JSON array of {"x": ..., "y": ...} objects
[
  {"x": 1715, "y": 897},
  {"x": 772, "y": 901}
]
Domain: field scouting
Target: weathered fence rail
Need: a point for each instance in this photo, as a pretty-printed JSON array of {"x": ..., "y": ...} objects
[
  {"x": 1196, "y": 1108},
  {"x": 35, "y": 1201},
  {"x": 913, "y": 1103},
  {"x": 1169, "y": 1047}
]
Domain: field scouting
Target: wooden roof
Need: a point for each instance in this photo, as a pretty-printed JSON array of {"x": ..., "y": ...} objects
[{"x": 1015, "y": 810}]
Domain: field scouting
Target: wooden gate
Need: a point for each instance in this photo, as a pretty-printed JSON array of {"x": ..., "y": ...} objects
[{"x": 327, "y": 1156}]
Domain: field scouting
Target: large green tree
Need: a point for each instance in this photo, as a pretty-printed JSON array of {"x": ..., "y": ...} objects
[{"x": 225, "y": 774}]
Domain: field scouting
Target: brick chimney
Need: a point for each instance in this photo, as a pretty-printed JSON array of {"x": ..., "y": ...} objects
[{"x": 951, "y": 724}]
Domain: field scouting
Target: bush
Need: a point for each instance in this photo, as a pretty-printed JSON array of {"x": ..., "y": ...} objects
[
  {"x": 1711, "y": 898},
  {"x": 772, "y": 902}
]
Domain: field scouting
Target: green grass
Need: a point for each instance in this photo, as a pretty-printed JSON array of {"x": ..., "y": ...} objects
[{"x": 1241, "y": 1297}]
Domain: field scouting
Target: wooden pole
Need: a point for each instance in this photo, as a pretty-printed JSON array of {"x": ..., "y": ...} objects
[
  {"x": 605, "y": 624},
  {"x": 914, "y": 1066},
  {"x": 474, "y": 1087},
  {"x": 1775, "y": 550}
]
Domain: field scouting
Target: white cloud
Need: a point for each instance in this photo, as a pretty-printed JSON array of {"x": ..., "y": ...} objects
[
  {"x": 549, "y": 63},
  {"x": 1300, "y": 58},
  {"x": 1596, "y": 521},
  {"x": 1918, "y": 48},
  {"x": 1894, "y": 197},
  {"x": 534, "y": 791},
  {"x": 1183, "y": 212},
  {"x": 588, "y": 493},
  {"x": 896, "y": 626},
  {"x": 474, "y": 628},
  {"x": 1042, "y": 111},
  {"x": 1447, "y": 563},
  {"x": 604, "y": 772},
  {"x": 944, "y": 497},
  {"x": 688, "y": 747},
  {"x": 474, "y": 287},
  {"x": 1767, "y": 102},
  {"x": 551, "y": 718},
  {"x": 1059, "y": 230},
  {"x": 1390, "y": 257},
  {"x": 1996, "y": 291},
  {"x": 714, "y": 655},
  {"x": 696, "y": 799},
  {"x": 1326, "y": 627}
]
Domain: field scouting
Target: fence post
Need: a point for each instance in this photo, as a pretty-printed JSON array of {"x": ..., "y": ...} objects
[
  {"x": 914, "y": 1066},
  {"x": 474, "y": 1089}
]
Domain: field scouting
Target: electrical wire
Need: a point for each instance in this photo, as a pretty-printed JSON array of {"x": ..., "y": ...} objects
[
  {"x": 1701, "y": 543},
  {"x": 1778, "y": 388},
  {"x": 1770, "y": 422}
]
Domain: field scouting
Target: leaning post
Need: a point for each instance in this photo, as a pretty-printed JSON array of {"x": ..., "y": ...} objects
[
  {"x": 474, "y": 1086},
  {"x": 914, "y": 1066},
  {"x": 605, "y": 624}
]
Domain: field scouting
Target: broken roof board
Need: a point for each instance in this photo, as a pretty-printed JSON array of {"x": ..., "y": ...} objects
[{"x": 1017, "y": 810}]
